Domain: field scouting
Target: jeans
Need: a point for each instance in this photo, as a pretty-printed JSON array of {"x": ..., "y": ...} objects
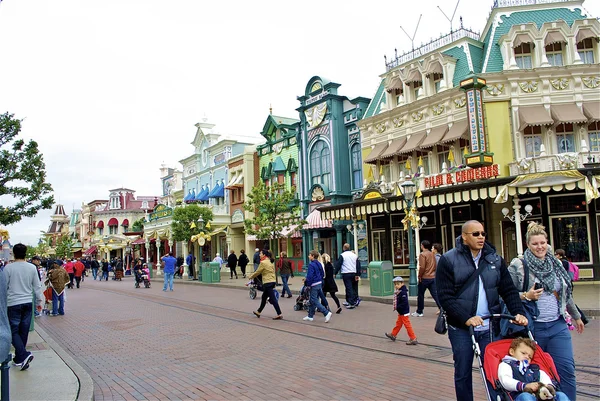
[
  {"x": 95, "y": 272},
  {"x": 316, "y": 294},
  {"x": 104, "y": 275},
  {"x": 426, "y": 283},
  {"x": 349, "y": 279},
  {"x": 530, "y": 397},
  {"x": 58, "y": 303},
  {"x": 284, "y": 279},
  {"x": 462, "y": 350},
  {"x": 71, "y": 277},
  {"x": 555, "y": 339},
  {"x": 78, "y": 280},
  {"x": 19, "y": 317},
  {"x": 191, "y": 272},
  {"x": 269, "y": 293},
  {"x": 168, "y": 281}
]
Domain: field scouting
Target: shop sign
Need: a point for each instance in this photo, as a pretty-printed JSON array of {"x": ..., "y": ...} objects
[
  {"x": 160, "y": 211},
  {"x": 219, "y": 159},
  {"x": 462, "y": 176},
  {"x": 237, "y": 216},
  {"x": 372, "y": 195},
  {"x": 316, "y": 98}
]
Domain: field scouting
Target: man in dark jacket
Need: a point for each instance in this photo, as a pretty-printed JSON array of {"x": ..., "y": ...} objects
[
  {"x": 232, "y": 264},
  {"x": 465, "y": 306},
  {"x": 190, "y": 261},
  {"x": 256, "y": 258}
]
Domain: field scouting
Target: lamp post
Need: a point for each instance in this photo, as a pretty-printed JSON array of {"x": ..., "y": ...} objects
[
  {"x": 408, "y": 190},
  {"x": 517, "y": 218},
  {"x": 418, "y": 232},
  {"x": 105, "y": 241}
]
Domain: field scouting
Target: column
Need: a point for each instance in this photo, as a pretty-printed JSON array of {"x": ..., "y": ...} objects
[
  {"x": 185, "y": 253},
  {"x": 517, "y": 216},
  {"x": 158, "y": 272},
  {"x": 417, "y": 246},
  {"x": 339, "y": 239}
]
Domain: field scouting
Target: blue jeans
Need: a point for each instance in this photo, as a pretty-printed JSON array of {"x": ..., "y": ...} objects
[
  {"x": 284, "y": 279},
  {"x": 555, "y": 339},
  {"x": 58, "y": 303},
  {"x": 316, "y": 293},
  {"x": 19, "y": 317},
  {"x": 168, "y": 281},
  {"x": 104, "y": 276},
  {"x": 426, "y": 284},
  {"x": 95, "y": 272},
  {"x": 349, "y": 279},
  {"x": 530, "y": 397},
  {"x": 462, "y": 350}
]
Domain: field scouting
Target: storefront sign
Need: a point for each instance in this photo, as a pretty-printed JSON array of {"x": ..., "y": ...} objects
[
  {"x": 237, "y": 216},
  {"x": 372, "y": 195},
  {"x": 462, "y": 176},
  {"x": 160, "y": 211},
  {"x": 315, "y": 98}
]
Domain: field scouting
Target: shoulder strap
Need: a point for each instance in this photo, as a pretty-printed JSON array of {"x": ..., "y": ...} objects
[
  {"x": 471, "y": 279},
  {"x": 525, "y": 275}
]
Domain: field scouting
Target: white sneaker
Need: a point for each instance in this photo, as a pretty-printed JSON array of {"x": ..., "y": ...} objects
[
  {"x": 308, "y": 319},
  {"x": 415, "y": 314},
  {"x": 328, "y": 317},
  {"x": 346, "y": 304}
]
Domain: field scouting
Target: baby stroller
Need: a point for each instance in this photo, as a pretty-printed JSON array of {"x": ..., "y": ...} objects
[
  {"x": 256, "y": 284},
  {"x": 48, "y": 300},
  {"x": 142, "y": 276},
  {"x": 303, "y": 300},
  {"x": 494, "y": 353}
]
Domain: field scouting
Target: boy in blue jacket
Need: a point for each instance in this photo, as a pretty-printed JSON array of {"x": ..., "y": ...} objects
[{"x": 402, "y": 307}]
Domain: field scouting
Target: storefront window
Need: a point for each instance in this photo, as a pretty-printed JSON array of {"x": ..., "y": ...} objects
[
  {"x": 397, "y": 220},
  {"x": 379, "y": 240},
  {"x": 297, "y": 244},
  {"x": 567, "y": 204},
  {"x": 400, "y": 247},
  {"x": 571, "y": 234},
  {"x": 460, "y": 213},
  {"x": 377, "y": 222}
]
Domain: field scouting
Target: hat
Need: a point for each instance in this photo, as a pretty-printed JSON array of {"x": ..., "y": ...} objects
[
  {"x": 36, "y": 258},
  {"x": 58, "y": 262},
  {"x": 398, "y": 279}
]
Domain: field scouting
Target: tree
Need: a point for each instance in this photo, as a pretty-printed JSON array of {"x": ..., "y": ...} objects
[
  {"x": 64, "y": 247},
  {"x": 183, "y": 217},
  {"x": 22, "y": 174},
  {"x": 138, "y": 225},
  {"x": 273, "y": 211}
]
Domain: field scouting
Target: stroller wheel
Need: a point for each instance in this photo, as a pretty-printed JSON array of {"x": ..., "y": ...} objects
[
  {"x": 252, "y": 293},
  {"x": 305, "y": 306},
  {"x": 297, "y": 307},
  {"x": 137, "y": 285}
]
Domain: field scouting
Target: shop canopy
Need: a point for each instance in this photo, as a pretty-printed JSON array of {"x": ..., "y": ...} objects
[
  {"x": 534, "y": 115},
  {"x": 378, "y": 150},
  {"x": 125, "y": 223},
  {"x": 552, "y": 180},
  {"x": 567, "y": 113},
  {"x": 291, "y": 232},
  {"x": 313, "y": 220},
  {"x": 218, "y": 191},
  {"x": 592, "y": 111},
  {"x": 139, "y": 241},
  {"x": 100, "y": 224},
  {"x": 203, "y": 194},
  {"x": 394, "y": 148},
  {"x": 458, "y": 130},
  {"x": 413, "y": 142},
  {"x": 435, "y": 136},
  {"x": 113, "y": 222},
  {"x": 92, "y": 250}
]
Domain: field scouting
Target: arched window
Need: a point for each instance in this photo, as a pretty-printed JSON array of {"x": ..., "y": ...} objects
[
  {"x": 320, "y": 164},
  {"x": 356, "y": 160}
]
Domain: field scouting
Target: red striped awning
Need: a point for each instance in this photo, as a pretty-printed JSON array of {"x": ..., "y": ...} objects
[
  {"x": 91, "y": 251},
  {"x": 314, "y": 220},
  {"x": 113, "y": 222},
  {"x": 139, "y": 241},
  {"x": 125, "y": 223},
  {"x": 100, "y": 224}
]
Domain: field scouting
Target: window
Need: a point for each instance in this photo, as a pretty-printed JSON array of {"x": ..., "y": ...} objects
[
  {"x": 356, "y": 166},
  {"x": 571, "y": 234},
  {"x": 567, "y": 204},
  {"x": 423, "y": 157},
  {"x": 594, "y": 136},
  {"x": 380, "y": 245},
  {"x": 533, "y": 140},
  {"x": 415, "y": 89},
  {"x": 280, "y": 179},
  {"x": 100, "y": 231},
  {"x": 320, "y": 164},
  {"x": 565, "y": 138},
  {"x": 554, "y": 54},
  {"x": 113, "y": 229},
  {"x": 443, "y": 152},
  {"x": 125, "y": 229},
  {"x": 293, "y": 180},
  {"x": 437, "y": 79},
  {"x": 400, "y": 247},
  {"x": 585, "y": 48},
  {"x": 523, "y": 56}
]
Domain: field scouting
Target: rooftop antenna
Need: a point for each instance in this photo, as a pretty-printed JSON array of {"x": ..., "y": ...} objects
[
  {"x": 453, "y": 14},
  {"x": 412, "y": 39}
]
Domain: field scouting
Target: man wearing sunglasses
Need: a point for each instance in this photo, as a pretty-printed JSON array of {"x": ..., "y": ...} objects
[{"x": 470, "y": 280}]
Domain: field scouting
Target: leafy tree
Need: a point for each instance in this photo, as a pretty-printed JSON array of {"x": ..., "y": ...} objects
[
  {"x": 273, "y": 213},
  {"x": 183, "y": 217},
  {"x": 64, "y": 247},
  {"x": 22, "y": 174},
  {"x": 138, "y": 225}
]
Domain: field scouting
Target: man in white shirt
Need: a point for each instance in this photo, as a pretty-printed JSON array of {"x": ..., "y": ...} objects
[{"x": 346, "y": 263}]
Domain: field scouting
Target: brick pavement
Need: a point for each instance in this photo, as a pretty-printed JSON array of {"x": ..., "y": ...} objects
[{"x": 202, "y": 342}]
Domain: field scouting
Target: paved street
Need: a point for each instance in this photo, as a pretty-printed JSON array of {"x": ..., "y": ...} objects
[{"x": 201, "y": 342}]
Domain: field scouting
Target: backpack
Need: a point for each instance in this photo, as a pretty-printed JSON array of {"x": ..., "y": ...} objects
[{"x": 573, "y": 271}]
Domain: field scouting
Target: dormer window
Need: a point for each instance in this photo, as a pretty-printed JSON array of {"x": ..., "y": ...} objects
[
  {"x": 437, "y": 81},
  {"x": 115, "y": 202},
  {"x": 554, "y": 54},
  {"x": 523, "y": 56},
  {"x": 415, "y": 87},
  {"x": 585, "y": 48}
]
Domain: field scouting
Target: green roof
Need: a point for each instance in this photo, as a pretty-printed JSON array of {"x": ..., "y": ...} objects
[
  {"x": 462, "y": 64},
  {"x": 377, "y": 99},
  {"x": 278, "y": 165}
]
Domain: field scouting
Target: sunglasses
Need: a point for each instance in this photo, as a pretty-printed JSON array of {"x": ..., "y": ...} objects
[{"x": 478, "y": 233}]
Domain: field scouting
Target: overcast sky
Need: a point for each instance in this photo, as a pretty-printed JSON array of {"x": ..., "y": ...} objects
[{"x": 110, "y": 89}]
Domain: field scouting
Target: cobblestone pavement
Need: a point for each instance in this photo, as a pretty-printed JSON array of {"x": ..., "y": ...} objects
[{"x": 203, "y": 343}]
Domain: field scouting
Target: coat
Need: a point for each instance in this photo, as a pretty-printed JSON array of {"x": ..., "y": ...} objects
[
  {"x": 329, "y": 284},
  {"x": 267, "y": 269},
  {"x": 58, "y": 278}
]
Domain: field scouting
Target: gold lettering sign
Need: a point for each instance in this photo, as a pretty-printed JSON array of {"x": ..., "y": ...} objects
[
  {"x": 488, "y": 159},
  {"x": 373, "y": 195},
  {"x": 472, "y": 159},
  {"x": 481, "y": 81},
  {"x": 466, "y": 82}
]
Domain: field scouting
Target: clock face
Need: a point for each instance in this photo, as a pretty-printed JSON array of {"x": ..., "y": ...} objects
[{"x": 316, "y": 86}]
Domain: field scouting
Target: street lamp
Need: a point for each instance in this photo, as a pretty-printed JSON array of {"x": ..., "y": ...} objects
[
  {"x": 201, "y": 223},
  {"x": 408, "y": 191},
  {"x": 517, "y": 218}
]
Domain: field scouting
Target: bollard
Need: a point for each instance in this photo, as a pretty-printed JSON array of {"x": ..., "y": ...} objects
[{"x": 4, "y": 376}]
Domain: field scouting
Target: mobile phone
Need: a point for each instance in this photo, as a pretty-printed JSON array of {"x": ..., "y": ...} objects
[{"x": 537, "y": 286}]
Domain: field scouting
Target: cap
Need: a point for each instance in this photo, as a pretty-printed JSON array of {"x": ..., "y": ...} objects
[
  {"x": 36, "y": 257},
  {"x": 58, "y": 262},
  {"x": 398, "y": 278}
]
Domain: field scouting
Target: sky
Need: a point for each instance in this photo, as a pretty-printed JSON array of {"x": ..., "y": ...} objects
[{"x": 111, "y": 89}]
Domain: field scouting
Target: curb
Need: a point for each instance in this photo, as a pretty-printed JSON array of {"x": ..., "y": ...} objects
[{"x": 86, "y": 385}]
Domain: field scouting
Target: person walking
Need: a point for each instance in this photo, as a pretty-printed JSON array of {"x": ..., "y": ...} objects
[
  {"x": 219, "y": 260},
  {"x": 267, "y": 270},
  {"x": 329, "y": 284},
  {"x": 105, "y": 269},
  {"x": 552, "y": 291},
  {"x": 470, "y": 279},
  {"x": 169, "y": 270},
  {"x": 401, "y": 305},
  {"x": 427, "y": 267},
  {"x": 95, "y": 266},
  {"x": 243, "y": 262},
  {"x": 118, "y": 269},
  {"x": 78, "y": 270},
  {"x": 232, "y": 261},
  {"x": 437, "y": 251},
  {"x": 190, "y": 260},
  {"x": 57, "y": 278},
  {"x": 314, "y": 280},
  {"x": 284, "y": 265},
  {"x": 22, "y": 282},
  {"x": 256, "y": 258},
  {"x": 347, "y": 263},
  {"x": 70, "y": 269}
]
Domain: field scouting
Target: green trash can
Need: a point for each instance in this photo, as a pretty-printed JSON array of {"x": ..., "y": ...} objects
[
  {"x": 211, "y": 272},
  {"x": 381, "y": 274}
]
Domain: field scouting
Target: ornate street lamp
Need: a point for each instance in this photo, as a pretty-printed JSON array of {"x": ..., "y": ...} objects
[
  {"x": 517, "y": 218},
  {"x": 408, "y": 189}
]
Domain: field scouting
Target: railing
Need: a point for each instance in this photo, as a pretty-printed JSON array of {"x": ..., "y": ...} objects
[
  {"x": 514, "y": 3},
  {"x": 431, "y": 46},
  {"x": 220, "y": 209},
  {"x": 541, "y": 164}
]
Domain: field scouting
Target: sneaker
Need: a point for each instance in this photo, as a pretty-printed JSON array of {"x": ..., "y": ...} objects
[
  {"x": 328, "y": 317},
  {"x": 307, "y": 319},
  {"x": 26, "y": 362},
  {"x": 256, "y": 314},
  {"x": 350, "y": 306},
  {"x": 412, "y": 342},
  {"x": 415, "y": 314},
  {"x": 338, "y": 311},
  {"x": 358, "y": 301},
  {"x": 346, "y": 304},
  {"x": 52, "y": 314},
  {"x": 391, "y": 337}
]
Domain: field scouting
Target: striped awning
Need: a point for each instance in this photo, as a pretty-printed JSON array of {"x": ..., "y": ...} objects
[
  {"x": 314, "y": 220},
  {"x": 287, "y": 232}
]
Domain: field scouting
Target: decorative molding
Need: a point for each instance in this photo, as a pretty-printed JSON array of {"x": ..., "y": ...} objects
[
  {"x": 438, "y": 109},
  {"x": 318, "y": 194},
  {"x": 559, "y": 83},
  {"x": 398, "y": 122},
  {"x": 381, "y": 127},
  {"x": 591, "y": 82},
  {"x": 460, "y": 102},
  {"x": 417, "y": 116},
  {"x": 494, "y": 89},
  {"x": 528, "y": 86}
]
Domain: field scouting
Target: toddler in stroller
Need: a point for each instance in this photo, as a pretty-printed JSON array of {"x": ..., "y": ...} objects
[
  {"x": 303, "y": 300},
  {"x": 256, "y": 284},
  {"x": 142, "y": 276}
]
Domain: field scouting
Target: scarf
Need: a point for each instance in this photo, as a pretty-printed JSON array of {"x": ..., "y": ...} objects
[
  {"x": 546, "y": 270},
  {"x": 396, "y": 292}
]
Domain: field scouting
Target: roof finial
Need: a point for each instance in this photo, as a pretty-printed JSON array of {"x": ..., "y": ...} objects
[{"x": 270, "y": 109}]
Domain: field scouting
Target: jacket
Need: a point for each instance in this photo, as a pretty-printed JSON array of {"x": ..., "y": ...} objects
[
  {"x": 58, "y": 277},
  {"x": 243, "y": 260},
  {"x": 79, "y": 269},
  {"x": 454, "y": 270},
  {"x": 284, "y": 266},
  {"x": 329, "y": 284},
  {"x": 256, "y": 257},
  {"x": 190, "y": 260},
  {"x": 427, "y": 265},
  {"x": 314, "y": 274},
  {"x": 266, "y": 268},
  {"x": 232, "y": 260},
  {"x": 402, "y": 305},
  {"x": 347, "y": 262}
]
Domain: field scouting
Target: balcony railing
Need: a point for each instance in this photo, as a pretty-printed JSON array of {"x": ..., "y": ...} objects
[
  {"x": 431, "y": 46},
  {"x": 220, "y": 209},
  {"x": 564, "y": 161},
  {"x": 514, "y": 3}
]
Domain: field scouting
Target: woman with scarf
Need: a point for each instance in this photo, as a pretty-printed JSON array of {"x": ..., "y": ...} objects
[
  {"x": 267, "y": 270},
  {"x": 550, "y": 287}
]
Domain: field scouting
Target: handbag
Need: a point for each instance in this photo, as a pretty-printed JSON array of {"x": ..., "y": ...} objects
[{"x": 441, "y": 323}]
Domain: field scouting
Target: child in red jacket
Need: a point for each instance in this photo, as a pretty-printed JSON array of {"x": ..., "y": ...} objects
[{"x": 402, "y": 307}]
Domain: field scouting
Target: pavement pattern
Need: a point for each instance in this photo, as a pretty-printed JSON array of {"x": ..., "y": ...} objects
[{"x": 203, "y": 343}]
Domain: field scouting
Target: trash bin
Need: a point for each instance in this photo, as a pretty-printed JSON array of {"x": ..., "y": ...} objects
[
  {"x": 211, "y": 272},
  {"x": 381, "y": 274}
]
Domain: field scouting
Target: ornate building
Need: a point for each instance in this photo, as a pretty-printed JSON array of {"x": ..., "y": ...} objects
[{"x": 59, "y": 226}]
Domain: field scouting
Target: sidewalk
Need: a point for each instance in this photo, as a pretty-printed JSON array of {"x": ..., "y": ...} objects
[{"x": 53, "y": 374}]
